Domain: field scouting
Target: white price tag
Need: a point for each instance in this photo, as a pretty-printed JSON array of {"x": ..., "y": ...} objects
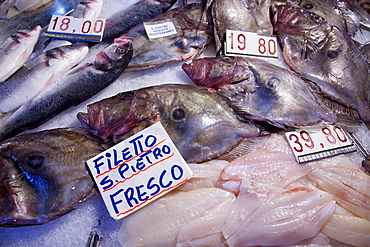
[
  {"x": 326, "y": 142},
  {"x": 160, "y": 29},
  {"x": 246, "y": 43},
  {"x": 66, "y": 27},
  {"x": 138, "y": 170}
]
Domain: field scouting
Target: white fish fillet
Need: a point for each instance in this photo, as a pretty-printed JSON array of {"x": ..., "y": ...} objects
[
  {"x": 205, "y": 175},
  {"x": 348, "y": 229},
  {"x": 173, "y": 217},
  {"x": 349, "y": 185},
  {"x": 268, "y": 165},
  {"x": 268, "y": 215}
]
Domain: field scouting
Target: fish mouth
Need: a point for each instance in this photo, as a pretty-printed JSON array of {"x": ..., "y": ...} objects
[{"x": 106, "y": 119}]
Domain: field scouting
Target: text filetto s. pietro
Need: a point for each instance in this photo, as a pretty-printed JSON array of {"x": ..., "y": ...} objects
[{"x": 130, "y": 175}]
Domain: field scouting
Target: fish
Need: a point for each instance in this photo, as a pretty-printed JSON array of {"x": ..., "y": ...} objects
[
  {"x": 199, "y": 123},
  {"x": 192, "y": 218},
  {"x": 327, "y": 58},
  {"x": 39, "y": 17},
  {"x": 31, "y": 80},
  {"x": 335, "y": 12},
  {"x": 194, "y": 33},
  {"x": 88, "y": 9},
  {"x": 11, "y": 8},
  {"x": 349, "y": 185},
  {"x": 259, "y": 90},
  {"x": 16, "y": 49},
  {"x": 121, "y": 22},
  {"x": 43, "y": 175},
  {"x": 268, "y": 215},
  {"x": 72, "y": 88},
  {"x": 240, "y": 15}
]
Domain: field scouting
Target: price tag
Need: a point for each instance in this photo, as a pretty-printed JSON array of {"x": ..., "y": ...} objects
[
  {"x": 160, "y": 29},
  {"x": 246, "y": 43},
  {"x": 326, "y": 142},
  {"x": 138, "y": 170},
  {"x": 66, "y": 27}
]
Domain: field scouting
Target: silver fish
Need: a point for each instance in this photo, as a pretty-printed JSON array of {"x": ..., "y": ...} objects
[
  {"x": 16, "y": 49},
  {"x": 200, "y": 124},
  {"x": 43, "y": 175},
  {"x": 258, "y": 90},
  {"x": 240, "y": 15},
  {"x": 88, "y": 9},
  {"x": 11, "y": 8},
  {"x": 75, "y": 86},
  {"x": 29, "y": 81},
  {"x": 194, "y": 33},
  {"x": 323, "y": 54},
  {"x": 120, "y": 22}
]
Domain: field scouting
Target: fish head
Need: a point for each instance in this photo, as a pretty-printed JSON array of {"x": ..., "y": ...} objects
[
  {"x": 217, "y": 72},
  {"x": 43, "y": 176},
  {"x": 293, "y": 20},
  {"x": 115, "y": 56},
  {"x": 71, "y": 54},
  {"x": 200, "y": 124},
  {"x": 275, "y": 95}
]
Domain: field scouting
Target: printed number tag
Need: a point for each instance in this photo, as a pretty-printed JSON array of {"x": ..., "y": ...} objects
[
  {"x": 329, "y": 141},
  {"x": 66, "y": 27},
  {"x": 247, "y": 43},
  {"x": 138, "y": 170}
]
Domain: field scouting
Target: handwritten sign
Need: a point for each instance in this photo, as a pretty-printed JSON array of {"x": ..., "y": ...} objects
[
  {"x": 326, "y": 142},
  {"x": 138, "y": 170},
  {"x": 160, "y": 29},
  {"x": 66, "y": 27},
  {"x": 246, "y": 43}
]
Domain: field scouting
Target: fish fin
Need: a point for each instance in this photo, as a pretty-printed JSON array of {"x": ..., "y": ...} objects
[{"x": 244, "y": 147}]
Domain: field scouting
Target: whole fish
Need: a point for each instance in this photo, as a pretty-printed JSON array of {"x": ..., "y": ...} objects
[
  {"x": 43, "y": 175},
  {"x": 31, "y": 80},
  {"x": 323, "y": 54},
  {"x": 200, "y": 124},
  {"x": 42, "y": 17},
  {"x": 119, "y": 23},
  {"x": 75, "y": 86},
  {"x": 259, "y": 90},
  {"x": 240, "y": 15},
  {"x": 194, "y": 33},
  {"x": 16, "y": 49}
]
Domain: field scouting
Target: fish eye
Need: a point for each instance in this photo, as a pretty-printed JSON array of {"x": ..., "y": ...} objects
[
  {"x": 34, "y": 161},
  {"x": 273, "y": 81},
  {"x": 308, "y": 6},
  {"x": 178, "y": 115},
  {"x": 121, "y": 51},
  {"x": 331, "y": 54}
]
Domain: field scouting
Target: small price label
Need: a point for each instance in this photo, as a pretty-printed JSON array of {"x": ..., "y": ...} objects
[
  {"x": 326, "y": 142},
  {"x": 66, "y": 27},
  {"x": 246, "y": 43},
  {"x": 160, "y": 29},
  {"x": 138, "y": 170}
]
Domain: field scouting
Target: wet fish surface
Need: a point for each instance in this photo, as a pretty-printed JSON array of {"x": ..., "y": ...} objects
[
  {"x": 43, "y": 175},
  {"x": 11, "y": 8},
  {"x": 240, "y": 15},
  {"x": 194, "y": 33},
  {"x": 201, "y": 125},
  {"x": 16, "y": 49},
  {"x": 80, "y": 83},
  {"x": 31, "y": 80},
  {"x": 324, "y": 55},
  {"x": 122, "y": 21},
  {"x": 258, "y": 90}
]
